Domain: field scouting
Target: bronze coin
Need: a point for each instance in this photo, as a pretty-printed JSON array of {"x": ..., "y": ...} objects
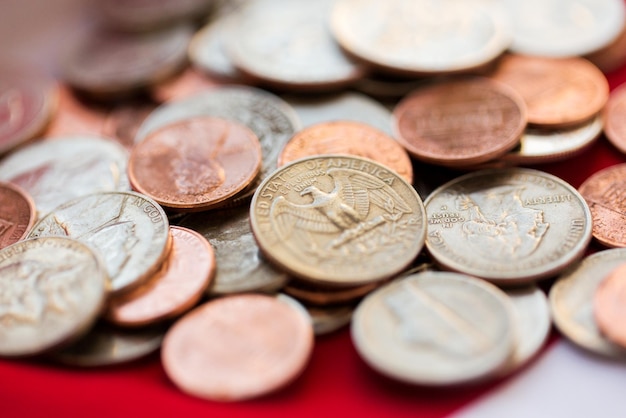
[
  {"x": 614, "y": 116},
  {"x": 238, "y": 347},
  {"x": 559, "y": 92},
  {"x": 348, "y": 137},
  {"x": 605, "y": 193},
  {"x": 460, "y": 122},
  {"x": 74, "y": 117},
  {"x": 175, "y": 288},
  {"x": 609, "y": 305},
  {"x": 17, "y": 214},
  {"x": 196, "y": 163},
  {"x": 320, "y": 296}
]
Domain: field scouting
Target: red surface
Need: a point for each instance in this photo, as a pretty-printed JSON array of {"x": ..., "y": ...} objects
[{"x": 335, "y": 383}]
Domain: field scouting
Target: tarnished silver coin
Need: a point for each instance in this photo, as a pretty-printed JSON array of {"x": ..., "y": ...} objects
[
  {"x": 559, "y": 28},
  {"x": 571, "y": 301},
  {"x": 338, "y": 220},
  {"x": 54, "y": 172},
  {"x": 51, "y": 291},
  {"x": 289, "y": 45},
  {"x": 240, "y": 266},
  {"x": 128, "y": 230},
  {"x": 435, "y": 328},
  {"x": 508, "y": 226}
]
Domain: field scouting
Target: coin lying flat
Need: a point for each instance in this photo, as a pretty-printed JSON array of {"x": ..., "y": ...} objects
[
  {"x": 264, "y": 343},
  {"x": 54, "y": 172},
  {"x": 129, "y": 231},
  {"x": 175, "y": 288},
  {"x": 460, "y": 122},
  {"x": 608, "y": 306},
  {"x": 571, "y": 301},
  {"x": 51, "y": 291},
  {"x": 196, "y": 163},
  {"x": 17, "y": 214},
  {"x": 508, "y": 226},
  {"x": 427, "y": 329},
  {"x": 614, "y": 111},
  {"x": 603, "y": 191}
]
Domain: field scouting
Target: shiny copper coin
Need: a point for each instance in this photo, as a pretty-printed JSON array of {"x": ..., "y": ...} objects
[
  {"x": 605, "y": 193},
  {"x": 196, "y": 163},
  {"x": 558, "y": 91},
  {"x": 17, "y": 214},
  {"x": 174, "y": 289},
  {"x": 352, "y": 138},
  {"x": 73, "y": 117},
  {"x": 460, "y": 122},
  {"x": 615, "y": 118},
  {"x": 237, "y": 347},
  {"x": 609, "y": 305},
  {"x": 320, "y": 296}
]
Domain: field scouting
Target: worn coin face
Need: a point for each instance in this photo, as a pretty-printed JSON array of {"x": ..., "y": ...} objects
[
  {"x": 608, "y": 306},
  {"x": 420, "y": 37},
  {"x": 460, "y": 122},
  {"x": 352, "y": 138},
  {"x": 129, "y": 231},
  {"x": 557, "y": 91},
  {"x": 51, "y": 291},
  {"x": 571, "y": 301},
  {"x": 508, "y": 226},
  {"x": 614, "y": 118},
  {"x": 54, "y": 172},
  {"x": 338, "y": 220},
  {"x": 435, "y": 329},
  {"x": 603, "y": 191},
  {"x": 264, "y": 344},
  {"x": 240, "y": 266},
  {"x": 17, "y": 214},
  {"x": 196, "y": 163},
  {"x": 175, "y": 288}
]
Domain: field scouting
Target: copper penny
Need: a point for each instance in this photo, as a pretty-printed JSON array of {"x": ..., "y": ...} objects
[
  {"x": 196, "y": 163},
  {"x": 123, "y": 122},
  {"x": 614, "y": 118},
  {"x": 605, "y": 193},
  {"x": 17, "y": 214},
  {"x": 175, "y": 288},
  {"x": 558, "y": 91},
  {"x": 187, "y": 83},
  {"x": 27, "y": 101},
  {"x": 348, "y": 137},
  {"x": 237, "y": 347},
  {"x": 460, "y": 122},
  {"x": 320, "y": 296},
  {"x": 74, "y": 117},
  {"x": 609, "y": 305}
]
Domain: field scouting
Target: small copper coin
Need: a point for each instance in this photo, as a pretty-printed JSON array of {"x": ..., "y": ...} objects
[
  {"x": 460, "y": 122},
  {"x": 352, "y": 138},
  {"x": 320, "y": 296},
  {"x": 17, "y": 214},
  {"x": 196, "y": 163},
  {"x": 174, "y": 289},
  {"x": 615, "y": 118},
  {"x": 238, "y": 347},
  {"x": 604, "y": 192},
  {"x": 558, "y": 91},
  {"x": 609, "y": 306}
]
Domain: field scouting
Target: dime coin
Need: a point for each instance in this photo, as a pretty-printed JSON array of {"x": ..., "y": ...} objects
[
  {"x": 240, "y": 265},
  {"x": 460, "y": 122},
  {"x": 338, "y": 220},
  {"x": 558, "y": 92},
  {"x": 54, "y": 172},
  {"x": 129, "y": 231},
  {"x": 614, "y": 120},
  {"x": 288, "y": 45},
  {"x": 608, "y": 306},
  {"x": 17, "y": 214},
  {"x": 558, "y": 28},
  {"x": 175, "y": 288},
  {"x": 196, "y": 163},
  {"x": 571, "y": 301},
  {"x": 435, "y": 329},
  {"x": 603, "y": 193},
  {"x": 420, "y": 37},
  {"x": 508, "y": 226},
  {"x": 74, "y": 117},
  {"x": 264, "y": 343},
  {"x": 51, "y": 292},
  {"x": 351, "y": 138},
  {"x": 27, "y": 103}
]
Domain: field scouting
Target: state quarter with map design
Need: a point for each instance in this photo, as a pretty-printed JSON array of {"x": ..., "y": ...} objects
[{"x": 338, "y": 220}]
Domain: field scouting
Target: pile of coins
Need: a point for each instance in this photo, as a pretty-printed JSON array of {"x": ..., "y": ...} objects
[{"x": 138, "y": 189}]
